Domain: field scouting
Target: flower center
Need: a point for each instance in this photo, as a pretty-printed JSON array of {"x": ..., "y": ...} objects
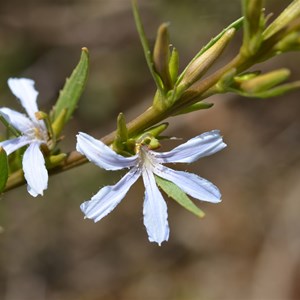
[
  {"x": 147, "y": 160},
  {"x": 37, "y": 133}
]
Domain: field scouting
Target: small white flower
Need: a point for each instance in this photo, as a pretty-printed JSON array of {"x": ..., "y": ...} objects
[
  {"x": 33, "y": 133},
  {"x": 146, "y": 163}
]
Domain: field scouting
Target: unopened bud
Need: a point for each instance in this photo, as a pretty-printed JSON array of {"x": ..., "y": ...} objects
[
  {"x": 291, "y": 42},
  {"x": 201, "y": 64},
  {"x": 253, "y": 26},
  {"x": 286, "y": 17},
  {"x": 54, "y": 160},
  {"x": 252, "y": 12},
  {"x": 264, "y": 82},
  {"x": 121, "y": 134},
  {"x": 161, "y": 55},
  {"x": 279, "y": 90}
]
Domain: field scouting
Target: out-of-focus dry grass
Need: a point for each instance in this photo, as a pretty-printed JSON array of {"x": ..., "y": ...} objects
[{"x": 247, "y": 247}]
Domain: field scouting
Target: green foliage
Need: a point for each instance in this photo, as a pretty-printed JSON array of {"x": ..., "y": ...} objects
[
  {"x": 145, "y": 45},
  {"x": 72, "y": 90},
  {"x": 174, "y": 192},
  {"x": 3, "y": 169},
  {"x": 195, "y": 107}
]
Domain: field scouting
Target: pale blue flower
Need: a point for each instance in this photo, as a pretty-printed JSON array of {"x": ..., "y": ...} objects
[
  {"x": 147, "y": 163},
  {"x": 33, "y": 133}
]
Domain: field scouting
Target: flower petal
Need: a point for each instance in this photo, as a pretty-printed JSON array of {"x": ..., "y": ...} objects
[
  {"x": 14, "y": 144},
  {"x": 24, "y": 90},
  {"x": 191, "y": 184},
  {"x": 109, "y": 197},
  {"x": 101, "y": 155},
  {"x": 35, "y": 171},
  {"x": 202, "y": 145},
  {"x": 155, "y": 211},
  {"x": 17, "y": 120}
]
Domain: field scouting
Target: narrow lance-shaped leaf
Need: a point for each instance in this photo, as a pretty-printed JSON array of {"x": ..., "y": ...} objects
[
  {"x": 73, "y": 89},
  {"x": 174, "y": 192},
  {"x": 3, "y": 169},
  {"x": 195, "y": 107},
  {"x": 145, "y": 45}
]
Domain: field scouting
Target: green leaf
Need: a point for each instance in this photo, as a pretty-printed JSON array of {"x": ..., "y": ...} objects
[
  {"x": 195, "y": 107},
  {"x": 174, "y": 192},
  {"x": 3, "y": 169},
  {"x": 73, "y": 89},
  {"x": 145, "y": 45}
]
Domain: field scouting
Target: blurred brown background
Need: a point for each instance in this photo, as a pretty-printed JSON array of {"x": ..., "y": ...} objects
[{"x": 247, "y": 247}]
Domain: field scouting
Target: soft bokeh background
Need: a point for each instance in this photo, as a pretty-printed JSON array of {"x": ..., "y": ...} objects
[{"x": 247, "y": 247}]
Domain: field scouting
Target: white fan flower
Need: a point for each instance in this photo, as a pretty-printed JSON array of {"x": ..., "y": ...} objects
[
  {"x": 33, "y": 133},
  {"x": 147, "y": 163}
]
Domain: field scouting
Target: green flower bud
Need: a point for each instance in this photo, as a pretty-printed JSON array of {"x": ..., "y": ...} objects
[
  {"x": 252, "y": 12},
  {"x": 284, "y": 19},
  {"x": 291, "y": 42},
  {"x": 201, "y": 64},
  {"x": 161, "y": 55},
  {"x": 121, "y": 138},
  {"x": 253, "y": 26},
  {"x": 54, "y": 160},
  {"x": 264, "y": 82},
  {"x": 278, "y": 90}
]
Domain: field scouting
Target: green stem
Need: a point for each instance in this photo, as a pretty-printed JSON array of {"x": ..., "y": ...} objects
[{"x": 199, "y": 90}]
